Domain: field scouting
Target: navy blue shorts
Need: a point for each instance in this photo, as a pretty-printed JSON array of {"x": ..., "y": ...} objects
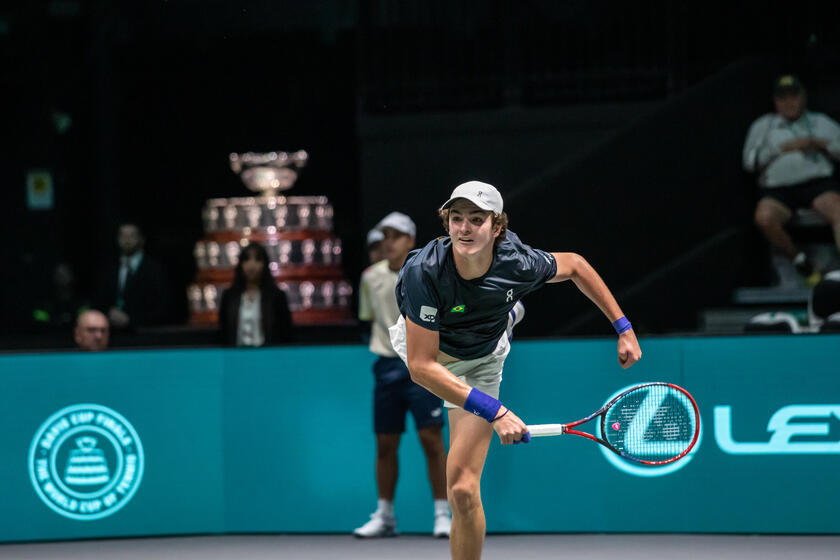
[{"x": 395, "y": 394}]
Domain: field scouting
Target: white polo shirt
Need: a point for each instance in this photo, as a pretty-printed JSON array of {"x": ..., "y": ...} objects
[
  {"x": 378, "y": 304},
  {"x": 768, "y": 133}
]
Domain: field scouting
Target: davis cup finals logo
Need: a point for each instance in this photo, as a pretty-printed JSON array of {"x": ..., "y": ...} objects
[{"x": 86, "y": 462}]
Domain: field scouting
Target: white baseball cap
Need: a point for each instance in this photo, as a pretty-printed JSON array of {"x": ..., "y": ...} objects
[
  {"x": 374, "y": 236},
  {"x": 399, "y": 222},
  {"x": 481, "y": 194}
]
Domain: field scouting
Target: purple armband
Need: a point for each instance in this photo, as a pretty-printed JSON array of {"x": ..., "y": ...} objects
[
  {"x": 622, "y": 324},
  {"x": 482, "y": 404}
]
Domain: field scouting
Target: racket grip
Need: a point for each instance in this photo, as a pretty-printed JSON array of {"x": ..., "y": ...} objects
[
  {"x": 525, "y": 438},
  {"x": 541, "y": 430}
]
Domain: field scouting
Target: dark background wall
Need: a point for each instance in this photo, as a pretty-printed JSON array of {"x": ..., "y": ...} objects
[
  {"x": 417, "y": 159},
  {"x": 652, "y": 193},
  {"x": 567, "y": 107},
  {"x": 159, "y": 97}
]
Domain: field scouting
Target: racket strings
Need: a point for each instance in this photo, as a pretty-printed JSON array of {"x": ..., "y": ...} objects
[{"x": 652, "y": 423}]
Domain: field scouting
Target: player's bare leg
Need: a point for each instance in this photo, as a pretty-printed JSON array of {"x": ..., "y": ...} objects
[
  {"x": 431, "y": 439},
  {"x": 387, "y": 467},
  {"x": 469, "y": 440},
  {"x": 383, "y": 522}
]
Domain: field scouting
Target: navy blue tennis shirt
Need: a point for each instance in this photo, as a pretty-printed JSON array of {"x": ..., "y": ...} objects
[{"x": 470, "y": 315}]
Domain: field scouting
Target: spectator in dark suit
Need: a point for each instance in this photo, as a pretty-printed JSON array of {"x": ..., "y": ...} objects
[
  {"x": 134, "y": 291},
  {"x": 254, "y": 311}
]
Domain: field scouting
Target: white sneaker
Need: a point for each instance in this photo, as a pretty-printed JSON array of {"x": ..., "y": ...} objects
[
  {"x": 443, "y": 523},
  {"x": 378, "y": 526},
  {"x": 515, "y": 317}
]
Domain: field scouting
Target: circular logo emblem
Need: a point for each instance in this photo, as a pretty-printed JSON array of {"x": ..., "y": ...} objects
[
  {"x": 86, "y": 462},
  {"x": 646, "y": 471}
]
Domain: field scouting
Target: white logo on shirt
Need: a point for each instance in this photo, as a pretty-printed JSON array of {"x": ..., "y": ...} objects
[
  {"x": 509, "y": 295},
  {"x": 428, "y": 314}
]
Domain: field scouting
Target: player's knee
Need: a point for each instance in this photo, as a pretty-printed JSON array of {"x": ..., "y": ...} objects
[{"x": 464, "y": 497}]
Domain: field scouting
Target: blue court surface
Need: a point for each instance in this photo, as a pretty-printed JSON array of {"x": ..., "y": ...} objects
[{"x": 417, "y": 547}]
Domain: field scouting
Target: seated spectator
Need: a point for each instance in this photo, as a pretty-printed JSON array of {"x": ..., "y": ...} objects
[
  {"x": 134, "y": 291},
  {"x": 374, "y": 246},
  {"x": 254, "y": 311},
  {"x": 791, "y": 151},
  {"x": 92, "y": 331}
]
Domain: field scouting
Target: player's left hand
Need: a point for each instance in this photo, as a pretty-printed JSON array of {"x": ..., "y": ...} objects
[{"x": 629, "y": 351}]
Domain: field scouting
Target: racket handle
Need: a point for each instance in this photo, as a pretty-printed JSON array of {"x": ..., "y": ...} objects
[
  {"x": 541, "y": 430},
  {"x": 526, "y": 437}
]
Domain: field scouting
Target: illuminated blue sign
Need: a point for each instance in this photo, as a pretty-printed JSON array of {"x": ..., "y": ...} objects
[
  {"x": 86, "y": 462},
  {"x": 640, "y": 423},
  {"x": 784, "y": 427}
]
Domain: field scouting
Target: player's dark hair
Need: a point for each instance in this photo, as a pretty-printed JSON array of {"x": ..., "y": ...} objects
[
  {"x": 498, "y": 220},
  {"x": 266, "y": 279}
]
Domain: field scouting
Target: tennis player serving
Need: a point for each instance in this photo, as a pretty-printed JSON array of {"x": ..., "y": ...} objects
[{"x": 454, "y": 297}]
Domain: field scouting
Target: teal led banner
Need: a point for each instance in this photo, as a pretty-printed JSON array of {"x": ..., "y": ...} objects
[
  {"x": 97, "y": 476},
  {"x": 280, "y": 440}
]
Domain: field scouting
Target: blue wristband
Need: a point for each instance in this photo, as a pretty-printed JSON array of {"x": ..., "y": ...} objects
[
  {"x": 482, "y": 404},
  {"x": 621, "y": 324}
]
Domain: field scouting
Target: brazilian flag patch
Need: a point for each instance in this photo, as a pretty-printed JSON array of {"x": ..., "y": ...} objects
[{"x": 459, "y": 309}]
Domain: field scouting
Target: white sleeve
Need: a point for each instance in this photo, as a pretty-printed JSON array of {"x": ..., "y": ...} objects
[
  {"x": 830, "y": 130},
  {"x": 757, "y": 150},
  {"x": 365, "y": 305}
]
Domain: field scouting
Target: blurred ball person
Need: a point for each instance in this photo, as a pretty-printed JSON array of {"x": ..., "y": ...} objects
[
  {"x": 134, "y": 292},
  {"x": 374, "y": 246},
  {"x": 395, "y": 394},
  {"x": 92, "y": 331},
  {"x": 793, "y": 152},
  {"x": 254, "y": 311}
]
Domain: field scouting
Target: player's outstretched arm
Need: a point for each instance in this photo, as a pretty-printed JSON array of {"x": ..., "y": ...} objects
[
  {"x": 422, "y": 348},
  {"x": 571, "y": 266}
]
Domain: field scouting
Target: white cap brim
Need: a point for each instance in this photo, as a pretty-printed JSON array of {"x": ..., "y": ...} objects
[{"x": 483, "y": 195}]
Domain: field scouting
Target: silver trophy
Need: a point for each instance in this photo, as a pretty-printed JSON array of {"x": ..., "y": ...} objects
[
  {"x": 268, "y": 173},
  {"x": 283, "y": 213}
]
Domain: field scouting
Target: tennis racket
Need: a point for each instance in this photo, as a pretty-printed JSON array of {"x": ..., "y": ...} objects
[{"x": 652, "y": 424}]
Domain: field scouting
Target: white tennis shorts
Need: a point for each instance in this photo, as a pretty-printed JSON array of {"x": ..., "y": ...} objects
[{"x": 484, "y": 373}]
